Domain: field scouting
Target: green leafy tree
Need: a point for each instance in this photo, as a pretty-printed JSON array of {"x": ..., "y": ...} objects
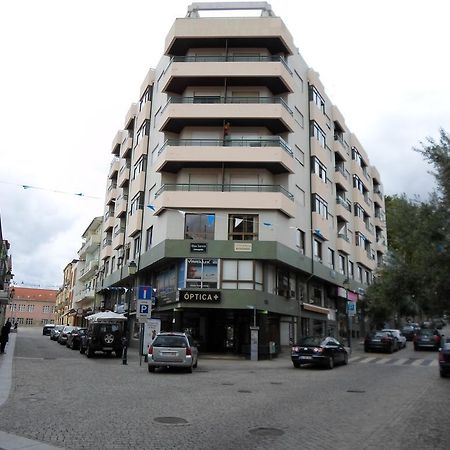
[{"x": 414, "y": 281}]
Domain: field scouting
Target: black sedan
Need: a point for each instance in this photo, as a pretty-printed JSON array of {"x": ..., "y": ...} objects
[
  {"x": 319, "y": 350},
  {"x": 380, "y": 341},
  {"x": 74, "y": 338},
  {"x": 427, "y": 338},
  {"x": 444, "y": 358}
]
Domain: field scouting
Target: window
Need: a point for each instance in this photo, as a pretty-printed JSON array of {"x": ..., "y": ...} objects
[
  {"x": 29, "y": 321},
  {"x": 351, "y": 270},
  {"x": 12, "y": 306},
  {"x": 317, "y": 99},
  {"x": 320, "y": 206},
  {"x": 143, "y": 131},
  {"x": 139, "y": 166},
  {"x": 300, "y": 240},
  {"x": 299, "y": 155},
  {"x": 243, "y": 227},
  {"x": 146, "y": 97},
  {"x": 358, "y": 184},
  {"x": 30, "y": 308},
  {"x": 318, "y": 133},
  {"x": 46, "y": 309},
  {"x": 201, "y": 273},
  {"x": 22, "y": 307},
  {"x": 148, "y": 239},
  {"x": 360, "y": 274},
  {"x": 299, "y": 117},
  {"x": 137, "y": 247},
  {"x": 199, "y": 226},
  {"x": 242, "y": 274},
  {"x": 331, "y": 258},
  {"x": 341, "y": 264},
  {"x": 20, "y": 320},
  {"x": 137, "y": 203},
  {"x": 317, "y": 250},
  {"x": 319, "y": 169}
]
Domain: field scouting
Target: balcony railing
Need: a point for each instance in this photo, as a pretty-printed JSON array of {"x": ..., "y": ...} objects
[
  {"x": 343, "y": 236},
  {"x": 275, "y": 141},
  {"x": 218, "y": 99},
  {"x": 225, "y": 188},
  {"x": 230, "y": 58},
  {"x": 341, "y": 169},
  {"x": 345, "y": 203}
]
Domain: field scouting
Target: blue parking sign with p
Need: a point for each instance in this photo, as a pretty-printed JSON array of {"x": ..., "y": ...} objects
[{"x": 143, "y": 308}]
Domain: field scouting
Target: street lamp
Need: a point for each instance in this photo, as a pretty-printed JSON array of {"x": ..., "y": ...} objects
[{"x": 132, "y": 267}]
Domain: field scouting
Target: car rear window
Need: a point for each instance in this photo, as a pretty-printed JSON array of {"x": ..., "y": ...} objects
[
  {"x": 311, "y": 340},
  {"x": 170, "y": 341}
]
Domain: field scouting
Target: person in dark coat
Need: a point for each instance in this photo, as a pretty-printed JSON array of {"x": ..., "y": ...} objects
[{"x": 4, "y": 336}]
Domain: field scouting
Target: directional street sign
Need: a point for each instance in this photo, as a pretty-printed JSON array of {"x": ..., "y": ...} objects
[
  {"x": 145, "y": 292},
  {"x": 351, "y": 308}
]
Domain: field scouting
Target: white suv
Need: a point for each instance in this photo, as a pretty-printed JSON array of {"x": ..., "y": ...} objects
[{"x": 173, "y": 350}]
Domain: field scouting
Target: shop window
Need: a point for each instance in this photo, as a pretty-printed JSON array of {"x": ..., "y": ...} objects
[
  {"x": 242, "y": 274},
  {"x": 201, "y": 273}
]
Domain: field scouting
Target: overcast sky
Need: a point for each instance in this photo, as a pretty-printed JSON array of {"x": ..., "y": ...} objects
[{"x": 70, "y": 71}]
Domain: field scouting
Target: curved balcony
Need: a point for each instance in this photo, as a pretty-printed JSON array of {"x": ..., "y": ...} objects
[
  {"x": 212, "y": 70},
  {"x": 271, "y": 112},
  {"x": 270, "y": 153},
  {"x": 224, "y": 196}
]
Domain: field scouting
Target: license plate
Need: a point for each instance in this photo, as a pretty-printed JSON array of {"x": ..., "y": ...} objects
[
  {"x": 306, "y": 357},
  {"x": 426, "y": 338},
  {"x": 107, "y": 349},
  {"x": 376, "y": 340}
]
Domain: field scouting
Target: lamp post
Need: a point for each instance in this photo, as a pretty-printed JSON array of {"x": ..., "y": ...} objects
[{"x": 132, "y": 267}]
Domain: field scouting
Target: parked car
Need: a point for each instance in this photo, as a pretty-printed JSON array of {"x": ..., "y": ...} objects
[
  {"x": 173, "y": 350},
  {"x": 103, "y": 337},
  {"x": 324, "y": 351},
  {"x": 401, "y": 339},
  {"x": 409, "y": 331},
  {"x": 380, "y": 340},
  {"x": 427, "y": 338},
  {"x": 55, "y": 332},
  {"x": 74, "y": 338},
  {"x": 444, "y": 358},
  {"x": 47, "y": 329},
  {"x": 62, "y": 338}
]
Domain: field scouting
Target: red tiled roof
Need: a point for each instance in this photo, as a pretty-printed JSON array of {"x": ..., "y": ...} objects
[{"x": 35, "y": 294}]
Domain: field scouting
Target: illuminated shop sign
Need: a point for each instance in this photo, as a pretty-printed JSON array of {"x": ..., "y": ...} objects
[{"x": 199, "y": 296}]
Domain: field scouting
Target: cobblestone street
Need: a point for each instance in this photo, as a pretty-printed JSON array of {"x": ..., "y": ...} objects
[{"x": 61, "y": 398}]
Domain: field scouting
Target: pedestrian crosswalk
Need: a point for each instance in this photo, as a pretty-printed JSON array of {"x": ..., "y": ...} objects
[{"x": 394, "y": 361}]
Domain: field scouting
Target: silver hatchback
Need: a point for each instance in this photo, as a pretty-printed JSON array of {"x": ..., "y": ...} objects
[{"x": 173, "y": 350}]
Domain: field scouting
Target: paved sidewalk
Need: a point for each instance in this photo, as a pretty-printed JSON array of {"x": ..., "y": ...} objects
[{"x": 11, "y": 441}]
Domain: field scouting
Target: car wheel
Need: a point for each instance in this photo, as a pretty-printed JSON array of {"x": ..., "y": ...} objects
[
  {"x": 189, "y": 369},
  {"x": 366, "y": 349},
  {"x": 296, "y": 364},
  {"x": 195, "y": 365},
  {"x": 151, "y": 369},
  {"x": 82, "y": 350},
  {"x": 442, "y": 373},
  {"x": 108, "y": 338},
  {"x": 391, "y": 349},
  {"x": 330, "y": 363},
  {"x": 416, "y": 347},
  {"x": 345, "y": 359}
]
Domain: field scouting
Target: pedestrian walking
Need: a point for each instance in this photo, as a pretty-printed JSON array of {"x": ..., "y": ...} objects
[{"x": 4, "y": 336}]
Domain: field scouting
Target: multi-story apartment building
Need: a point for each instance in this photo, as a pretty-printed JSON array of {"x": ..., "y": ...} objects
[
  {"x": 87, "y": 270},
  {"x": 65, "y": 311},
  {"x": 32, "y": 307},
  {"x": 239, "y": 191}
]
